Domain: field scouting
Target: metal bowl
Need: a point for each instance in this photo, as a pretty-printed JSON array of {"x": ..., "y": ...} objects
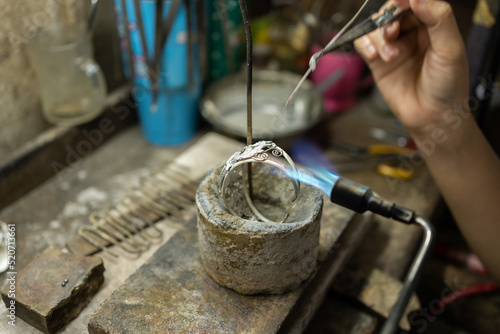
[{"x": 224, "y": 105}]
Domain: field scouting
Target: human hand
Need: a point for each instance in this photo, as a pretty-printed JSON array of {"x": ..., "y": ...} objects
[{"x": 419, "y": 65}]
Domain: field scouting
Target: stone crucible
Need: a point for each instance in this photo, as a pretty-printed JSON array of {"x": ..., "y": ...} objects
[{"x": 255, "y": 257}]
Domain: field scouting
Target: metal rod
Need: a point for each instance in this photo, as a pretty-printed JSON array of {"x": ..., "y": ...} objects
[
  {"x": 129, "y": 40},
  {"x": 140, "y": 27},
  {"x": 93, "y": 242},
  {"x": 391, "y": 324},
  {"x": 248, "y": 36},
  {"x": 314, "y": 58},
  {"x": 226, "y": 38},
  {"x": 190, "y": 62},
  {"x": 93, "y": 11},
  {"x": 169, "y": 21},
  {"x": 157, "y": 52},
  {"x": 117, "y": 217},
  {"x": 304, "y": 77}
]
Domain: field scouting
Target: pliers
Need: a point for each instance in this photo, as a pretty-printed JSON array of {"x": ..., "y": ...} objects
[{"x": 387, "y": 159}]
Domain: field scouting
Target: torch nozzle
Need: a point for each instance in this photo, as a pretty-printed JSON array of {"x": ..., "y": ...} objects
[{"x": 361, "y": 198}]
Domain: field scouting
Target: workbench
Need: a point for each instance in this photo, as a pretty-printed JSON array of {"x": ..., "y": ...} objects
[{"x": 52, "y": 213}]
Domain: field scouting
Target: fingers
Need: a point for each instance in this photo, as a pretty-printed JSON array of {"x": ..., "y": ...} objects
[
  {"x": 366, "y": 48},
  {"x": 440, "y": 21},
  {"x": 380, "y": 43},
  {"x": 436, "y": 16},
  {"x": 391, "y": 31}
]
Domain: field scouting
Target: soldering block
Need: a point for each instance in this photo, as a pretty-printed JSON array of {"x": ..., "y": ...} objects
[
  {"x": 53, "y": 288},
  {"x": 255, "y": 257}
]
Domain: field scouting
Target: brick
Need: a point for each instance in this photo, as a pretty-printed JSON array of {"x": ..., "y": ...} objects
[{"x": 52, "y": 289}]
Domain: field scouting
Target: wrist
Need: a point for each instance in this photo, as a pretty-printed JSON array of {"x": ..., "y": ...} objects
[
  {"x": 447, "y": 134},
  {"x": 440, "y": 121}
]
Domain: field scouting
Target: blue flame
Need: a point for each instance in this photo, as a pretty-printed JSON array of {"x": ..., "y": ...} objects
[
  {"x": 320, "y": 170},
  {"x": 321, "y": 179}
]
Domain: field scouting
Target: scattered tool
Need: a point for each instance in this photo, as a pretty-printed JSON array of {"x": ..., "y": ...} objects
[
  {"x": 392, "y": 137},
  {"x": 371, "y": 150},
  {"x": 161, "y": 33},
  {"x": 388, "y": 159}
]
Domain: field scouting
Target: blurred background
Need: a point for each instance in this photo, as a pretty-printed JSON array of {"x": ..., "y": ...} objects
[{"x": 284, "y": 32}]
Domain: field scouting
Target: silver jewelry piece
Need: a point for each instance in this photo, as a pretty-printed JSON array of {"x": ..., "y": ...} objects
[{"x": 232, "y": 186}]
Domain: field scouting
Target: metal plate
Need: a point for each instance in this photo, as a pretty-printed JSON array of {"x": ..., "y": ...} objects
[{"x": 224, "y": 105}]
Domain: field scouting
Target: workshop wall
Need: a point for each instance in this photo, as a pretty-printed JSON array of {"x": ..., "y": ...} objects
[
  {"x": 20, "y": 109},
  {"x": 20, "y": 116}
]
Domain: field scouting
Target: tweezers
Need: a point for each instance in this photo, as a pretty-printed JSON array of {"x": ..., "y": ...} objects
[
  {"x": 343, "y": 39},
  {"x": 368, "y": 25}
]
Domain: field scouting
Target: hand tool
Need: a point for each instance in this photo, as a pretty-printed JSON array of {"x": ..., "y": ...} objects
[
  {"x": 392, "y": 137},
  {"x": 371, "y": 150},
  {"x": 346, "y": 37},
  {"x": 360, "y": 198},
  {"x": 386, "y": 158},
  {"x": 384, "y": 166}
]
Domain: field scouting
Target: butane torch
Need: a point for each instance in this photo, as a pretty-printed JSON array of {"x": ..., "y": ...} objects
[{"x": 360, "y": 198}]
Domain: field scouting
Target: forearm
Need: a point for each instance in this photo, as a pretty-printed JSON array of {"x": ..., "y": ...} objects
[
  {"x": 467, "y": 172},
  {"x": 420, "y": 66}
]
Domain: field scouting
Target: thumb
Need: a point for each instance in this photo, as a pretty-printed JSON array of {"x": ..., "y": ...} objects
[{"x": 443, "y": 30}]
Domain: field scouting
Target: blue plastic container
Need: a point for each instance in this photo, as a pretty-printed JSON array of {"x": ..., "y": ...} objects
[
  {"x": 175, "y": 121},
  {"x": 174, "y": 118}
]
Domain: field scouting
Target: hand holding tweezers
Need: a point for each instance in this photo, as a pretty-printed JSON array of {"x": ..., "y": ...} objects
[{"x": 390, "y": 14}]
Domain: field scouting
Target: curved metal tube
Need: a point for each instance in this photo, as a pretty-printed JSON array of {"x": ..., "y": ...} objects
[{"x": 414, "y": 273}]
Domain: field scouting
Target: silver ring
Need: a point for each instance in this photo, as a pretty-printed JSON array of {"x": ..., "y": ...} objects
[{"x": 237, "y": 198}]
